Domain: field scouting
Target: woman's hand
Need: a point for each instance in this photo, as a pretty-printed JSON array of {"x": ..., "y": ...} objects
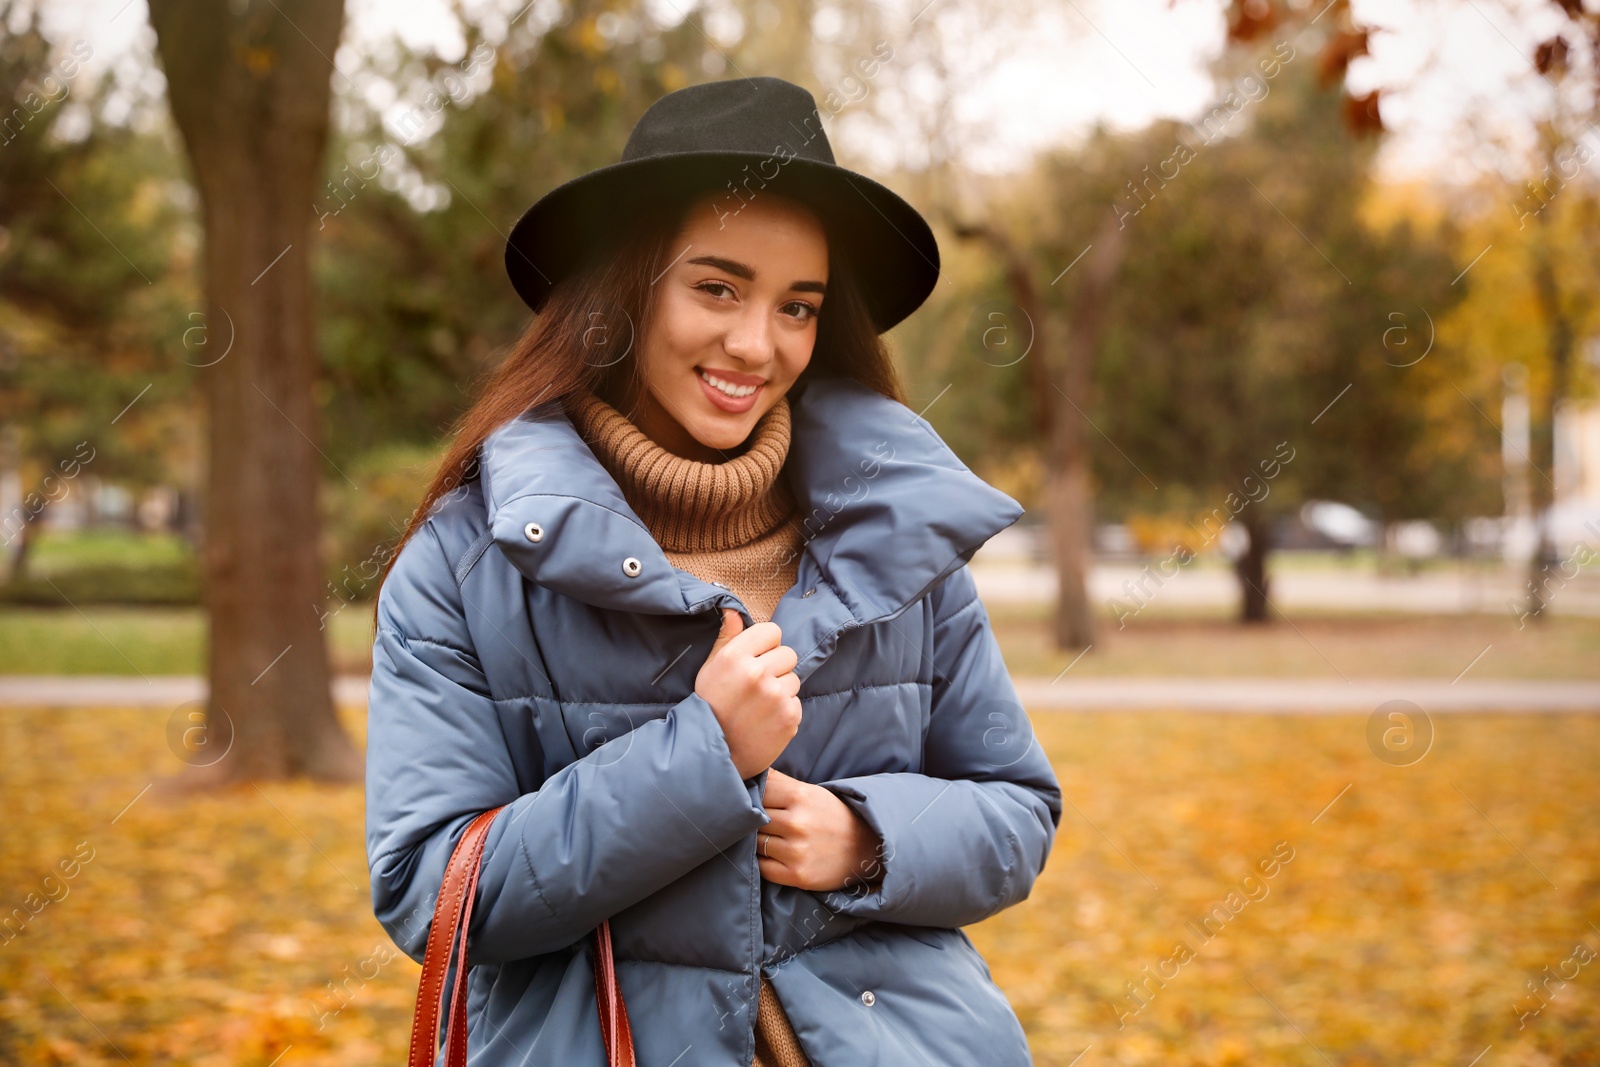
[
  {"x": 748, "y": 679},
  {"x": 815, "y": 840}
]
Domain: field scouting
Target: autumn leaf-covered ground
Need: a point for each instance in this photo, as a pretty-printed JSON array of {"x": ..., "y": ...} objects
[{"x": 1406, "y": 912}]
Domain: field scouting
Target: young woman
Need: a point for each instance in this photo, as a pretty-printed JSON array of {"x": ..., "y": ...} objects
[{"x": 689, "y": 596}]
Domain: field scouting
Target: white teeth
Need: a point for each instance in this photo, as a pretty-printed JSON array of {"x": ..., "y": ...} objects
[{"x": 728, "y": 388}]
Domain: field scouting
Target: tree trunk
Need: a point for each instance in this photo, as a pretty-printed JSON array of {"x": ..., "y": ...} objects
[
  {"x": 1251, "y": 570},
  {"x": 1559, "y": 343},
  {"x": 1070, "y": 504},
  {"x": 1070, "y": 489},
  {"x": 1068, "y": 492},
  {"x": 248, "y": 84},
  {"x": 17, "y": 566}
]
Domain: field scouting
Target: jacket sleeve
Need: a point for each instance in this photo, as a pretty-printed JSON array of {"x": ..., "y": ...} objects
[
  {"x": 598, "y": 835},
  {"x": 968, "y": 837}
]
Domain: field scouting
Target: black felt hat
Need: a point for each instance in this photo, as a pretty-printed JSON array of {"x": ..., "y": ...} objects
[{"x": 739, "y": 136}]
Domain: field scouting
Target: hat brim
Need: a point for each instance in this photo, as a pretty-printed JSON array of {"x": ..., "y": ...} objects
[{"x": 888, "y": 243}]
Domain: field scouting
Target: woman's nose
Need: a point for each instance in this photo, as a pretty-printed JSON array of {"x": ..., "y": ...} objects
[{"x": 750, "y": 339}]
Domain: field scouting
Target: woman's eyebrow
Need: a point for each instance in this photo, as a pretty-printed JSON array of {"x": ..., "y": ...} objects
[{"x": 748, "y": 273}]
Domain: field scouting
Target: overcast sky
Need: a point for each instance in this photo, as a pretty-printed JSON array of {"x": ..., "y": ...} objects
[{"x": 1455, "y": 69}]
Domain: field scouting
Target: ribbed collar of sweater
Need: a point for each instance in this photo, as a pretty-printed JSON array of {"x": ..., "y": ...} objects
[{"x": 688, "y": 505}]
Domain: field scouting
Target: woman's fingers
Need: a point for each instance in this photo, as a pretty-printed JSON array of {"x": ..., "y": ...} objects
[
  {"x": 775, "y": 856},
  {"x": 776, "y": 797},
  {"x": 779, "y": 660},
  {"x": 757, "y": 640},
  {"x": 732, "y": 626},
  {"x": 773, "y": 871},
  {"x": 774, "y": 847}
]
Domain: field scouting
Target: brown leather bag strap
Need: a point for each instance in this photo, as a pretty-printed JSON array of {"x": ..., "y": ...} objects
[
  {"x": 455, "y": 1030},
  {"x": 614, "y": 1028},
  {"x": 447, "y": 936},
  {"x": 442, "y": 938}
]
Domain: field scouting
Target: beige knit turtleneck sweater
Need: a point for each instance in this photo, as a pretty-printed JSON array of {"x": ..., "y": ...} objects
[{"x": 732, "y": 523}]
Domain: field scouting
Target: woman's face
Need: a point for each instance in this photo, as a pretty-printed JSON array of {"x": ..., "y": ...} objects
[{"x": 738, "y": 304}]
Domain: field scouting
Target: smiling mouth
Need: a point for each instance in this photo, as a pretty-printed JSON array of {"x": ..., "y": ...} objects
[{"x": 725, "y": 387}]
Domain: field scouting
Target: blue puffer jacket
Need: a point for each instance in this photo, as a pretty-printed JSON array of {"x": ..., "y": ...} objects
[{"x": 536, "y": 648}]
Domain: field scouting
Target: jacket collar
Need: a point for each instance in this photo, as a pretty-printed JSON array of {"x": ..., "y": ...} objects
[{"x": 888, "y": 511}]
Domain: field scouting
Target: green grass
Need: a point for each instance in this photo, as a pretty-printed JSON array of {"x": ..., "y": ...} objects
[
  {"x": 54, "y": 552},
  {"x": 149, "y": 641},
  {"x": 105, "y": 566}
]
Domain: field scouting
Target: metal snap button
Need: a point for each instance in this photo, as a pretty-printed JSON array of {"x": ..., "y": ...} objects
[
  {"x": 869, "y": 998},
  {"x": 533, "y": 531},
  {"x": 808, "y": 592},
  {"x": 631, "y": 567}
]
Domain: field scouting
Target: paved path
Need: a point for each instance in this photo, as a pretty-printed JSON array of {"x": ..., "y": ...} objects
[
  {"x": 131, "y": 691},
  {"x": 1281, "y": 695},
  {"x": 1122, "y": 587}
]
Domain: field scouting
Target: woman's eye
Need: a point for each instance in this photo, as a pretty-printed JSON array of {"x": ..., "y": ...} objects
[{"x": 720, "y": 290}]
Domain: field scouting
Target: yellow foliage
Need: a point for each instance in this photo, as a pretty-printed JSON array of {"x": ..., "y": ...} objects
[
  {"x": 1414, "y": 910},
  {"x": 226, "y": 929},
  {"x": 1161, "y": 535},
  {"x": 1499, "y": 321},
  {"x": 1019, "y": 473},
  {"x": 1389, "y": 204},
  {"x": 587, "y": 36},
  {"x": 553, "y": 116}
]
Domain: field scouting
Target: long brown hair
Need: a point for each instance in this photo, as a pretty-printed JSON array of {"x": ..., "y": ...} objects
[{"x": 583, "y": 341}]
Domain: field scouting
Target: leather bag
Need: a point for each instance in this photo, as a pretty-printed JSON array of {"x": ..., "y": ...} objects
[{"x": 447, "y": 936}]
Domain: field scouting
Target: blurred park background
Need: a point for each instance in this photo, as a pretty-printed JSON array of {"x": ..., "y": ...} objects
[{"x": 1281, "y": 318}]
